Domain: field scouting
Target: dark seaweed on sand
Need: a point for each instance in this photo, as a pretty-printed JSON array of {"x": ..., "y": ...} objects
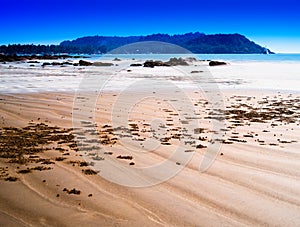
[{"x": 22, "y": 145}]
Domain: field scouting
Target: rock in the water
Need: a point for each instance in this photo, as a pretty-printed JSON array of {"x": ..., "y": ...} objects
[
  {"x": 33, "y": 62},
  {"x": 14, "y": 57},
  {"x": 151, "y": 64},
  {"x": 216, "y": 63},
  {"x": 171, "y": 62},
  {"x": 56, "y": 63},
  {"x": 136, "y": 64},
  {"x": 84, "y": 63},
  {"x": 176, "y": 61},
  {"x": 46, "y": 63},
  {"x": 102, "y": 64}
]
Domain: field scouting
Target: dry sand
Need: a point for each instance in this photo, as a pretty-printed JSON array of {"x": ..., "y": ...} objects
[{"x": 254, "y": 180}]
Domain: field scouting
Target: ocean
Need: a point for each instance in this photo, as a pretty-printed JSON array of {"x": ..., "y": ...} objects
[
  {"x": 276, "y": 72},
  {"x": 221, "y": 57},
  {"x": 252, "y": 57}
]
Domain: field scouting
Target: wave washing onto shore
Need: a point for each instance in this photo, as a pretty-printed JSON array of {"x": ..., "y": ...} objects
[
  {"x": 282, "y": 76},
  {"x": 271, "y": 72}
]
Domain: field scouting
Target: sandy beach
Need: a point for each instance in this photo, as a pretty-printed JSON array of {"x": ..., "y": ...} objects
[{"x": 56, "y": 150}]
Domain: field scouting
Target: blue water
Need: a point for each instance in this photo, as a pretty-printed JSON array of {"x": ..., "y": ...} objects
[
  {"x": 221, "y": 57},
  {"x": 251, "y": 57}
]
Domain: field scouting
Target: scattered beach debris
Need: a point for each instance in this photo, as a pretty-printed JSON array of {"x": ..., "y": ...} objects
[
  {"x": 89, "y": 172},
  {"x": 21, "y": 146},
  {"x": 11, "y": 179},
  {"x": 72, "y": 191},
  {"x": 196, "y": 71},
  {"x": 200, "y": 146},
  {"x": 125, "y": 157}
]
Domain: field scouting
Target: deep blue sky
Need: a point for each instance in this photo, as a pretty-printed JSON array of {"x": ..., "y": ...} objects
[{"x": 275, "y": 24}]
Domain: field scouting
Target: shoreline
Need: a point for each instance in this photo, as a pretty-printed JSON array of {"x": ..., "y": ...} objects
[
  {"x": 245, "y": 76},
  {"x": 222, "y": 90}
]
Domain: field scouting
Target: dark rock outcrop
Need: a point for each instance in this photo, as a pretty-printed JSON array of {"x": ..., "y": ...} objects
[
  {"x": 33, "y": 62},
  {"x": 136, "y": 65},
  {"x": 46, "y": 64},
  {"x": 56, "y": 63},
  {"x": 177, "y": 61},
  {"x": 85, "y": 63},
  {"x": 152, "y": 64},
  {"x": 102, "y": 64},
  {"x": 171, "y": 62},
  {"x": 32, "y": 58},
  {"x": 216, "y": 63}
]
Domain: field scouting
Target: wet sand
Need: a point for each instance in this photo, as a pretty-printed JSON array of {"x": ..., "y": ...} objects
[{"x": 47, "y": 178}]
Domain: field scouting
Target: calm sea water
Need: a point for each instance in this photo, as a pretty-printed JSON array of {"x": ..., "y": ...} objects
[
  {"x": 253, "y": 57},
  {"x": 224, "y": 57}
]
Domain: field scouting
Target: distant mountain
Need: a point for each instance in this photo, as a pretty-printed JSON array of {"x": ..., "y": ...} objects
[{"x": 194, "y": 42}]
